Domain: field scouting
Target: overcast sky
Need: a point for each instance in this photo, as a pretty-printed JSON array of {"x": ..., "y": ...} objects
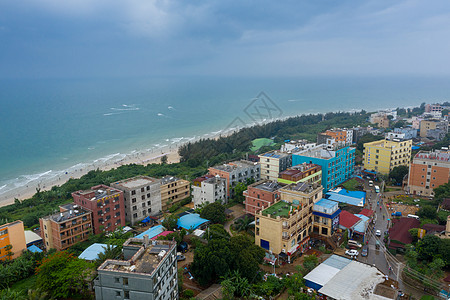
[{"x": 103, "y": 38}]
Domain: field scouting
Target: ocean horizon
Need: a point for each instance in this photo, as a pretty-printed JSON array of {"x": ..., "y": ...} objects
[{"x": 49, "y": 127}]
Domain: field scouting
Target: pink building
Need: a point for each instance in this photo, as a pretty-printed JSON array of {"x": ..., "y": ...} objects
[{"x": 261, "y": 194}]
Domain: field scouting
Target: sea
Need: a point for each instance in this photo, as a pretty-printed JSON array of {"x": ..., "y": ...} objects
[{"x": 49, "y": 127}]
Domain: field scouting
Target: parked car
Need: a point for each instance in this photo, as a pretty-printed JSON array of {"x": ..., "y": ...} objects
[
  {"x": 183, "y": 247},
  {"x": 370, "y": 183},
  {"x": 352, "y": 252},
  {"x": 353, "y": 244},
  {"x": 378, "y": 233},
  {"x": 365, "y": 250}
]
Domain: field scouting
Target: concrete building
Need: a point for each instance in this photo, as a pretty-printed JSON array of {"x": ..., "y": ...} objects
[
  {"x": 211, "y": 189},
  {"x": 261, "y": 194},
  {"x": 148, "y": 271},
  {"x": 173, "y": 190},
  {"x": 326, "y": 217},
  {"x": 428, "y": 170},
  {"x": 274, "y": 162},
  {"x": 434, "y": 109},
  {"x": 73, "y": 224},
  {"x": 236, "y": 171},
  {"x": 380, "y": 119},
  {"x": 295, "y": 146},
  {"x": 359, "y": 132},
  {"x": 304, "y": 172},
  {"x": 12, "y": 234},
  {"x": 284, "y": 226},
  {"x": 409, "y": 132},
  {"x": 343, "y": 136},
  {"x": 432, "y": 124},
  {"x": 106, "y": 204},
  {"x": 337, "y": 162},
  {"x": 384, "y": 155},
  {"x": 142, "y": 197},
  {"x": 415, "y": 122}
]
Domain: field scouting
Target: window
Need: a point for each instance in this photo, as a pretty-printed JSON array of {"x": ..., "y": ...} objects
[
  {"x": 135, "y": 207},
  {"x": 142, "y": 190},
  {"x": 149, "y": 203},
  {"x": 126, "y": 294},
  {"x": 143, "y": 197},
  {"x": 148, "y": 188},
  {"x": 133, "y": 192},
  {"x": 117, "y": 293},
  {"x": 125, "y": 280},
  {"x": 143, "y": 204},
  {"x": 107, "y": 210},
  {"x": 116, "y": 279},
  {"x": 149, "y": 210},
  {"x": 148, "y": 195},
  {"x": 135, "y": 215},
  {"x": 133, "y": 200}
]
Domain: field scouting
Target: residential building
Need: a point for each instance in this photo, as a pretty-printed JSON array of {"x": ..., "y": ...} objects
[
  {"x": 142, "y": 197},
  {"x": 337, "y": 162},
  {"x": 73, "y": 224},
  {"x": 274, "y": 162},
  {"x": 173, "y": 190},
  {"x": 343, "y": 136},
  {"x": 106, "y": 204},
  {"x": 409, "y": 132},
  {"x": 415, "y": 122},
  {"x": 13, "y": 235},
  {"x": 211, "y": 189},
  {"x": 304, "y": 172},
  {"x": 148, "y": 271},
  {"x": 235, "y": 172},
  {"x": 428, "y": 170},
  {"x": 295, "y": 146},
  {"x": 284, "y": 226},
  {"x": 326, "y": 217},
  {"x": 434, "y": 109},
  {"x": 380, "y": 119},
  {"x": 431, "y": 124},
  {"x": 261, "y": 194},
  {"x": 359, "y": 132},
  {"x": 384, "y": 155}
]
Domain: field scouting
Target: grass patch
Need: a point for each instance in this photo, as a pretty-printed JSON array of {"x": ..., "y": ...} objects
[
  {"x": 351, "y": 185},
  {"x": 258, "y": 143},
  {"x": 405, "y": 199}
]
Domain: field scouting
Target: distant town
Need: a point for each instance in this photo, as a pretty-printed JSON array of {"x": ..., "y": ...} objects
[{"x": 335, "y": 206}]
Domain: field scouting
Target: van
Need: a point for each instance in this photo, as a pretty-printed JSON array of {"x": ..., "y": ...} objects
[
  {"x": 413, "y": 216},
  {"x": 353, "y": 244},
  {"x": 377, "y": 189},
  {"x": 370, "y": 183}
]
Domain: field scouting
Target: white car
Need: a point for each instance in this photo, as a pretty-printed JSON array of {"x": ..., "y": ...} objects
[
  {"x": 352, "y": 252},
  {"x": 370, "y": 183},
  {"x": 378, "y": 233}
]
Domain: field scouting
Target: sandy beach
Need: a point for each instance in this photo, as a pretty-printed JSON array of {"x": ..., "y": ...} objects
[{"x": 142, "y": 158}]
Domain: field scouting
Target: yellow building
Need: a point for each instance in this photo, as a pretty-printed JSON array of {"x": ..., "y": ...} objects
[
  {"x": 284, "y": 226},
  {"x": 173, "y": 190},
  {"x": 382, "y": 156},
  {"x": 12, "y": 240}
]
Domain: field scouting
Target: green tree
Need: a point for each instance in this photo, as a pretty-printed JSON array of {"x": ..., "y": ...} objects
[
  {"x": 239, "y": 192},
  {"x": 367, "y": 138},
  {"x": 294, "y": 283},
  {"x": 235, "y": 286},
  {"x": 109, "y": 252},
  {"x": 427, "y": 247},
  {"x": 243, "y": 224},
  {"x": 170, "y": 222},
  {"x": 217, "y": 231},
  {"x": 309, "y": 263},
  {"x": 62, "y": 275},
  {"x": 442, "y": 192},
  {"x": 414, "y": 233},
  {"x": 427, "y": 212},
  {"x": 215, "y": 212},
  {"x": 397, "y": 174},
  {"x": 444, "y": 251},
  {"x": 164, "y": 160}
]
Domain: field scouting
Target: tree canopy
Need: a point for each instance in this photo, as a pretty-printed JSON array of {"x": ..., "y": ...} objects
[
  {"x": 397, "y": 174},
  {"x": 215, "y": 212},
  {"x": 170, "y": 222}
]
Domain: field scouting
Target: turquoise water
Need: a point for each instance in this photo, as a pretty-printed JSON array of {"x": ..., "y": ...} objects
[{"x": 49, "y": 126}]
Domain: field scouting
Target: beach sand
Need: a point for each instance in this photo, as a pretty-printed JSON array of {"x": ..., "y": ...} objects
[{"x": 136, "y": 158}]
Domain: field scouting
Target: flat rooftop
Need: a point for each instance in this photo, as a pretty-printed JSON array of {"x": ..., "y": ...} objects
[
  {"x": 234, "y": 165},
  {"x": 98, "y": 192},
  {"x": 72, "y": 211},
  {"x": 168, "y": 179},
  {"x": 442, "y": 155},
  {"x": 270, "y": 186},
  {"x": 303, "y": 187},
  {"x": 136, "y": 182},
  {"x": 281, "y": 208},
  {"x": 146, "y": 259},
  {"x": 274, "y": 154},
  {"x": 317, "y": 152}
]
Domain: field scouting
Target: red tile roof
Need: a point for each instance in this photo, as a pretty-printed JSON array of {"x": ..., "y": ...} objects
[
  {"x": 347, "y": 219},
  {"x": 398, "y": 233},
  {"x": 367, "y": 212},
  {"x": 433, "y": 227}
]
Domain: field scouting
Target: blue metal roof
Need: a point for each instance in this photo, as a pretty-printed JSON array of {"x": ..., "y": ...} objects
[
  {"x": 344, "y": 199},
  {"x": 152, "y": 232},
  {"x": 92, "y": 252},
  {"x": 361, "y": 226},
  {"x": 325, "y": 203},
  {"x": 34, "y": 248},
  {"x": 191, "y": 221}
]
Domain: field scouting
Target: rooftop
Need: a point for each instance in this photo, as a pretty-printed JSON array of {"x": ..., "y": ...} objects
[
  {"x": 303, "y": 187},
  {"x": 399, "y": 235},
  {"x": 281, "y": 208},
  {"x": 267, "y": 185},
  {"x": 274, "y": 154},
  {"x": 11, "y": 224},
  {"x": 71, "y": 211},
  {"x": 440, "y": 155},
  {"x": 191, "y": 221},
  {"x": 214, "y": 179},
  {"x": 168, "y": 179},
  {"x": 146, "y": 259},
  {"x": 98, "y": 192},
  {"x": 235, "y": 165},
  {"x": 135, "y": 182},
  {"x": 328, "y": 204}
]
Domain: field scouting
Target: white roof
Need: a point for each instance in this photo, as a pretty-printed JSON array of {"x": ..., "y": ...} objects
[
  {"x": 322, "y": 274},
  {"x": 198, "y": 232},
  {"x": 355, "y": 281},
  {"x": 31, "y": 237}
]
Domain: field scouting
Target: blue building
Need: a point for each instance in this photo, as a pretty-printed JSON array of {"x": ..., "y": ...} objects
[
  {"x": 326, "y": 217},
  {"x": 337, "y": 162}
]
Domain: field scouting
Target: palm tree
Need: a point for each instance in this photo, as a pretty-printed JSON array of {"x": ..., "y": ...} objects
[
  {"x": 243, "y": 224},
  {"x": 110, "y": 252}
]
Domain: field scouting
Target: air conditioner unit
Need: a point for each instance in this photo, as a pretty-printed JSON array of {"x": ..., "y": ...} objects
[
  {"x": 115, "y": 208},
  {"x": 159, "y": 278}
]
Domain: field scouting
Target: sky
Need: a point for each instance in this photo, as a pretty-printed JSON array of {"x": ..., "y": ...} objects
[{"x": 117, "y": 38}]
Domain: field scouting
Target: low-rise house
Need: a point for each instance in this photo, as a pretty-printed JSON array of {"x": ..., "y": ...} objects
[
  {"x": 173, "y": 190},
  {"x": 399, "y": 235},
  {"x": 326, "y": 217}
]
